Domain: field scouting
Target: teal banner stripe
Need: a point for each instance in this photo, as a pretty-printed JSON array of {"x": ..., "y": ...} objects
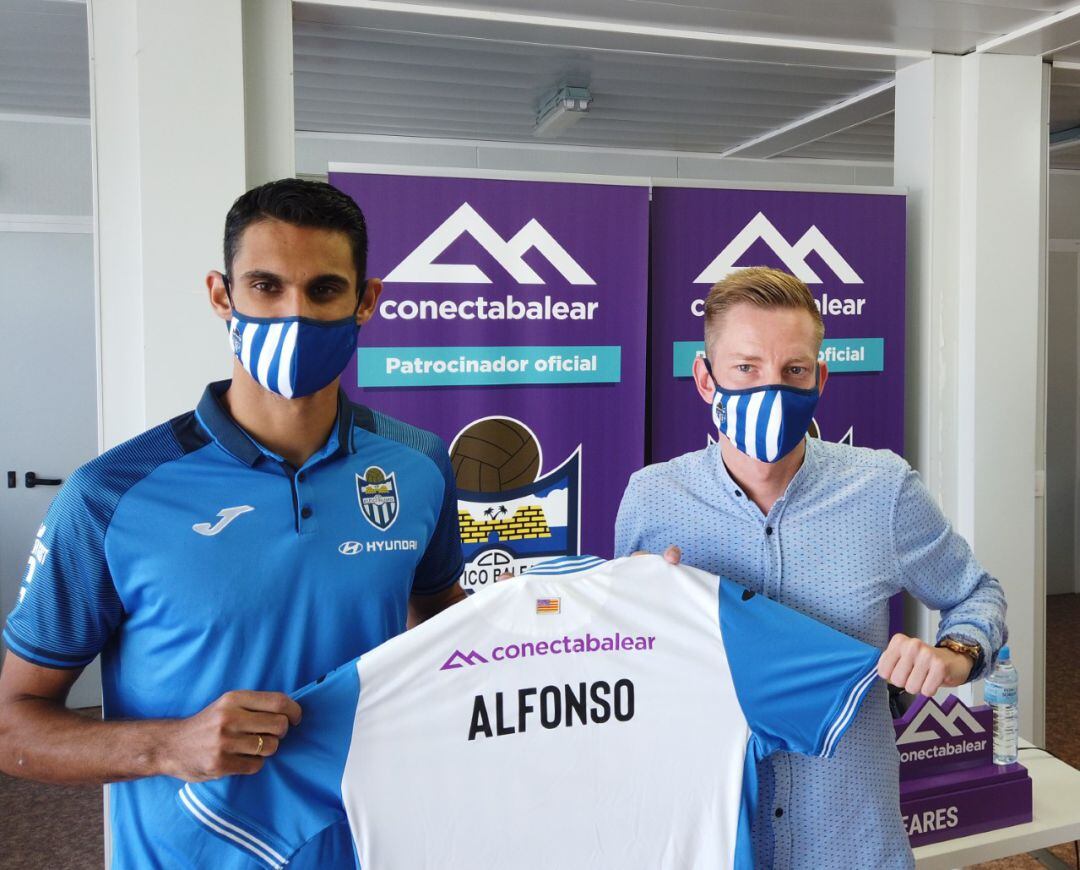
[
  {"x": 683, "y": 356},
  {"x": 842, "y": 355},
  {"x": 487, "y": 366},
  {"x": 854, "y": 354}
]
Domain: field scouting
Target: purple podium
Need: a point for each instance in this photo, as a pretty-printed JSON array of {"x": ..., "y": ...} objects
[{"x": 949, "y": 784}]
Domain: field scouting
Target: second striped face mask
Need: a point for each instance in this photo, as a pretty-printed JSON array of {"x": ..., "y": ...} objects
[
  {"x": 765, "y": 423},
  {"x": 293, "y": 356}
]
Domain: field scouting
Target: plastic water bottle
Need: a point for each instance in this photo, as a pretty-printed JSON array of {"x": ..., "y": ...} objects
[{"x": 1001, "y": 695}]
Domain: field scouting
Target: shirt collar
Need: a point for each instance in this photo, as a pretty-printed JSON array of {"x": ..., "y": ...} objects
[
  {"x": 224, "y": 430},
  {"x": 806, "y": 470}
]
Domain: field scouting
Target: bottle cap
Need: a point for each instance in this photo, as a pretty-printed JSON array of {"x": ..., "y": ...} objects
[{"x": 1003, "y": 655}]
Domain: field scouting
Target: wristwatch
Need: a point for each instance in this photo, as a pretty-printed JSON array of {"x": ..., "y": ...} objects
[{"x": 972, "y": 650}]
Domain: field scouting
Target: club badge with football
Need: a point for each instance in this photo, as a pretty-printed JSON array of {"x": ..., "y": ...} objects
[{"x": 511, "y": 511}]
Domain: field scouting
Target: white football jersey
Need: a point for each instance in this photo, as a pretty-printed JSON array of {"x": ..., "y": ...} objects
[{"x": 589, "y": 714}]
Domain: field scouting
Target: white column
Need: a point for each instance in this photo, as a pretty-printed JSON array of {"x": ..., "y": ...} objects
[
  {"x": 268, "y": 90},
  {"x": 971, "y": 139},
  {"x": 167, "y": 90}
]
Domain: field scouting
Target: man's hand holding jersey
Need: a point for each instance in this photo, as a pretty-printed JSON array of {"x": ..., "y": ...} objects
[
  {"x": 922, "y": 669},
  {"x": 233, "y": 735}
]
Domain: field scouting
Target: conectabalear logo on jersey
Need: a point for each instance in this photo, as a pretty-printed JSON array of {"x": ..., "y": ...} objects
[
  {"x": 458, "y": 659},
  {"x": 556, "y": 646}
]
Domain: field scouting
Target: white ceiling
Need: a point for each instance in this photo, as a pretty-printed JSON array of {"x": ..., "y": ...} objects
[
  {"x": 684, "y": 75},
  {"x": 950, "y": 26},
  {"x": 873, "y": 140},
  {"x": 447, "y": 70},
  {"x": 356, "y": 79},
  {"x": 870, "y": 141}
]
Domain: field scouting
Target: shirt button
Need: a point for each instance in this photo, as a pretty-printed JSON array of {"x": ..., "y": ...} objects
[
  {"x": 768, "y": 530},
  {"x": 305, "y": 513},
  {"x": 301, "y": 477},
  {"x": 779, "y": 813},
  {"x": 738, "y": 493}
]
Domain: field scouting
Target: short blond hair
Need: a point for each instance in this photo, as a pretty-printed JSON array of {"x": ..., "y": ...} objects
[{"x": 763, "y": 287}]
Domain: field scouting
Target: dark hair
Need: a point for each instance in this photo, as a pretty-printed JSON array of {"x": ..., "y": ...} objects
[{"x": 303, "y": 204}]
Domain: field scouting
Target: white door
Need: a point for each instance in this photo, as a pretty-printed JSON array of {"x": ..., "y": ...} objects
[{"x": 48, "y": 391}]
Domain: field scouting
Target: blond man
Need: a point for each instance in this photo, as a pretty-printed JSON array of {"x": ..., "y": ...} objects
[{"x": 830, "y": 530}]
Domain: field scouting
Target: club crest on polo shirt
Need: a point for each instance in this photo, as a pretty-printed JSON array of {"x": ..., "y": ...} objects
[{"x": 377, "y": 492}]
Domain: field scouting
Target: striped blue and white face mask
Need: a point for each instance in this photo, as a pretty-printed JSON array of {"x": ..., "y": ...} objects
[
  {"x": 765, "y": 423},
  {"x": 293, "y": 356}
]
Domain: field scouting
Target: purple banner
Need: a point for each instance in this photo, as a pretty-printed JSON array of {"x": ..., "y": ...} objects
[
  {"x": 848, "y": 248},
  {"x": 512, "y": 324}
]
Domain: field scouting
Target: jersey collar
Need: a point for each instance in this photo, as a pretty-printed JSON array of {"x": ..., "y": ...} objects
[
  {"x": 566, "y": 565},
  {"x": 222, "y": 428}
]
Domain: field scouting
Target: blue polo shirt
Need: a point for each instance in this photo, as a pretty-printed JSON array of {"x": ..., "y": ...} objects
[{"x": 196, "y": 561}]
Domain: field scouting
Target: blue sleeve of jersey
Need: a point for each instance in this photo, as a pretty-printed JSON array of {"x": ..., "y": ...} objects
[
  {"x": 269, "y": 815},
  {"x": 799, "y": 682},
  {"x": 68, "y": 606},
  {"x": 442, "y": 562}
]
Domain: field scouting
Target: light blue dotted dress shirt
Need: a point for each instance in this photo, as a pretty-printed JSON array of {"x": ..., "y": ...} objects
[{"x": 854, "y": 527}]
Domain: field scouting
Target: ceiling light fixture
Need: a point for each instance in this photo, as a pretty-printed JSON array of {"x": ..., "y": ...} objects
[{"x": 561, "y": 110}]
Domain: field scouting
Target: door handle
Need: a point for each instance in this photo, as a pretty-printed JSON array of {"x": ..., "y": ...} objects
[{"x": 33, "y": 480}]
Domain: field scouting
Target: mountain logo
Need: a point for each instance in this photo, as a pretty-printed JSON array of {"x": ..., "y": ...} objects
[
  {"x": 419, "y": 267},
  {"x": 939, "y": 723},
  {"x": 461, "y": 660},
  {"x": 792, "y": 256}
]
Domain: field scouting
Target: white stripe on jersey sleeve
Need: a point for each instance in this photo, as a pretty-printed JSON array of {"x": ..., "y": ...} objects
[
  {"x": 238, "y": 835},
  {"x": 847, "y": 713}
]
